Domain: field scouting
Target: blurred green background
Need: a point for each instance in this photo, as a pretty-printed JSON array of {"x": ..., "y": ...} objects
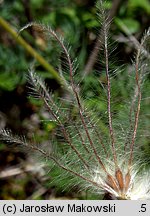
[{"x": 77, "y": 22}]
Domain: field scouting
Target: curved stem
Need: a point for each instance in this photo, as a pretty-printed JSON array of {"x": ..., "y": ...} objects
[{"x": 30, "y": 50}]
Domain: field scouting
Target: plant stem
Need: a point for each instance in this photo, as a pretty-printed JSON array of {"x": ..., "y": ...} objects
[
  {"x": 30, "y": 50},
  {"x": 94, "y": 54}
]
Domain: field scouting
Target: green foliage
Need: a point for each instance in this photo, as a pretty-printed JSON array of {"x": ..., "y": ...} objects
[
  {"x": 77, "y": 24},
  {"x": 12, "y": 70},
  {"x": 138, "y": 4},
  {"x": 132, "y": 25},
  {"x": 73, "y": 20}
]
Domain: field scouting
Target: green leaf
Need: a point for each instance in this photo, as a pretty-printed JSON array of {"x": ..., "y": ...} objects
[
  {"x": 71, "y": 14},
  {"x": 144, "y": 4},
  {"x": 89, "y": 20},
  {"x": 37, "y": 3},
  {"x": 128, "y": 25},
  {"x": 8, "y": 81}
]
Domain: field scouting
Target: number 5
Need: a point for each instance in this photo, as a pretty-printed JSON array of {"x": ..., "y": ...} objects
[{"x": 143, "y": 207}]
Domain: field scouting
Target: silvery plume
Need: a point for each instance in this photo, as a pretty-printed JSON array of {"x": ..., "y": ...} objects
[{"x": 107, "y": 162}]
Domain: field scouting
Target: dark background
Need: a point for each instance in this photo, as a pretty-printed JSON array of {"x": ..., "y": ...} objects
[{"x": 76, "y": 20}]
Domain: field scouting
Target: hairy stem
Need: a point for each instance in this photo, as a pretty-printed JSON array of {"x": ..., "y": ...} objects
[
  {"x": 109, "y": 93},
  {"x": 138, "y": 109},
  {"x": 77, "y": 96},
  {"x": 30, "y": 50},
  {"x": 94, "y": 54},
  {"x": 64, "y": 167}
]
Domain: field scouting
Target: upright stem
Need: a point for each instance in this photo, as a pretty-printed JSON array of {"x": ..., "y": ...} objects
[
  {"x": 139, "y": 95},
  {"x": 94, "y": 54},
  {"x": 78, "y": 99},
  {"x": 109, "y": 94},
  {"x": 137, "y": 112}
]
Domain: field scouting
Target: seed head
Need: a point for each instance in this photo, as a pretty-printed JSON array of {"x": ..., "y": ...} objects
[{"x": 88, "y": 155}]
